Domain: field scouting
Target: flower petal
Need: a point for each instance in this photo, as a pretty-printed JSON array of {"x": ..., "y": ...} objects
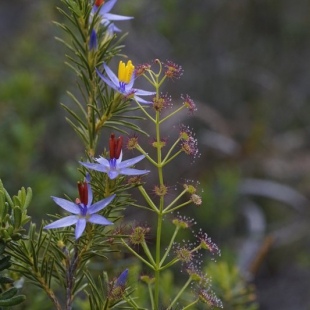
[
  {"x": 112, "y": 174},
  {"x": 107, "y": 81},
  {"x": 64, "y": 222},
  {"x": 114, "y": 28},
  {"x": 121, "y": 280},
  {"x": 130, "y": 162},
  {"x": 111, "y": 75},
  {"x": 139, "y": 99},
  {"x": 97, "y": 167},
  {"x": 128, "y": 87},
  {"x": 110, "y": 16},
  {"x": 103, "y": 161},
  {"x": 130, "y": 171},
  {"x": 90, "y": 195},
  {"x": 98, "y": 219},
  {"x": 107, "y": 6},
  {"x": 141, "y": 92},
  {"x": 67, "y": 205},
  {"x": 120, "y": 158},
  {"x": 80, "y": 227},
  {"x": 100, "y": 205}
]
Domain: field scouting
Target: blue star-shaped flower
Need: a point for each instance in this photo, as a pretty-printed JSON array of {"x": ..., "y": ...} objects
[
  {"x": 106, "y": 17},
  {"x": 114, "y": 166},
  {"x": 124, "y": 82},
  {"x": 82, "y": 209}
]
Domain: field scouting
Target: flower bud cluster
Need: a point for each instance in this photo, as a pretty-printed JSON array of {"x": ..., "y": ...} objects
[
  {"x": 138, "y": 234},
  {"x": 173, "y": 71}
]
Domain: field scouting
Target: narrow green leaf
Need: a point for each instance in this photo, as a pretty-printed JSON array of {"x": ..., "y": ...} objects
[
  {"x": 73, "y": 68},
  {"x": 16, "y": 300},
  {"x": 78, "y": 103},
  {"x": 17, "y": 216},
  {"x": 78, "y": 131},
  {"x": 6, "y": 280},
  {"x": 12, "y": 291},
  {"x": 28, "y": 199},
  {"x": 74, "y": 115},
  {"x": 5, "y": 263},
  {"x": 3, "y": 206}
]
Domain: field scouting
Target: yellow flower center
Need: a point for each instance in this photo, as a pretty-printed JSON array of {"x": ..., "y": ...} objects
[{"x": 125, "y": 71}]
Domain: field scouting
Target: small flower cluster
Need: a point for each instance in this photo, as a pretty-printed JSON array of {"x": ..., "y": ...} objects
[
  {"x": 173, "y": 71},
  {"x": 189, "y": 143}
]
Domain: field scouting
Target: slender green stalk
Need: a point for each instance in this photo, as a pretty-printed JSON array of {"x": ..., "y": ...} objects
[
  {"x": 173, "y": 113},
  {"x": 151, "y": 295},
  {"x": 170, "y": 245},
  {"x": 147, "y": 252},
  {"x": 180, "y": 293},
  {"x": 191, "y": 304},
  {"x": 178, "y": 207},
  {"x": 161, "y": 207},
  {"x": 169, "y": 152},
  {"x": 172, "y": 157},
  {"x": 139, "y": 148},
  {"x": 144, "y": 111},
  {"x": 176, "y": 199},
  {"x": 137, "y": 255},
  {"x": 131, "y": 302},
  {"x": 147, "y": 198}
]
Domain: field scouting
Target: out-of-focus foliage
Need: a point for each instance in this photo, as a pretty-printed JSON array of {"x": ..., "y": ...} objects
[{"x": 231, "y": 288}]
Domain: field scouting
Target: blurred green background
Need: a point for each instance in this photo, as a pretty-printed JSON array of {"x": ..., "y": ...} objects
[{"x": 247, "y": 66}]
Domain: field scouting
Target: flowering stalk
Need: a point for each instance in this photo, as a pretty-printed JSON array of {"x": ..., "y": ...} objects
[{"x": 156, "y": 80}]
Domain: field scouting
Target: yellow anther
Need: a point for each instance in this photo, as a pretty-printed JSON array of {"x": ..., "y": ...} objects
[{"x": 125, "y": 71}]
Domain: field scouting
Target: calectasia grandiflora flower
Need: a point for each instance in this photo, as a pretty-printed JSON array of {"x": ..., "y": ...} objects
[
  {"x": 123, "y": 83},
  {"x": 114, "y": 166},
  {"x": 83, "y": 210},
  {"x": 104, "y": 8}
]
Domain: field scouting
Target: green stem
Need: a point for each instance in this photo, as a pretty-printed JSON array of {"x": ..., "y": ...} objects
[
  {"x": 147, "y": 252},
  {"x": 174, "y": 260},
  {"x": 191, "y": 304},
  {"x": 172, "y": 157},
  {"x": 152, "y": 81},
  {"x": 139, "y": 148},
  {"x": 144, "y": 111},
  {"x": 141, "y": 207},
  {"x": 147, "y": 198},
  {"x": 160, "y": 214},
  {"x": 173, "y": 113},
  {"x": 178, "y": 207},
  {"x": 131, "y": 302},
  {"x": 137, "y": 255},
  {"x": 180, "y": 293},
  {"x": 170, "y": 245},
  {"x": 171, "y": 149},
  {"x": 175, "y": 200},
  {"x": 151, "y": 295}
]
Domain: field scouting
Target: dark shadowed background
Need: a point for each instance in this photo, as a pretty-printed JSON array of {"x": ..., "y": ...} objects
[{"x": 247, "y": 67}]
